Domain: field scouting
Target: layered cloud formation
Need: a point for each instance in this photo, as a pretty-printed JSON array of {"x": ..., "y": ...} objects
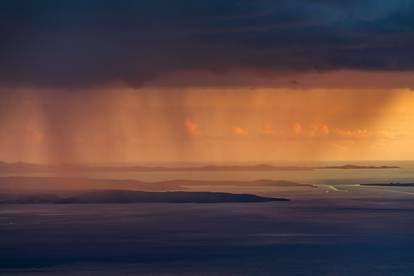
[
  {"x": 217, "y": 80},
  {"x": 73, "y": 44}
]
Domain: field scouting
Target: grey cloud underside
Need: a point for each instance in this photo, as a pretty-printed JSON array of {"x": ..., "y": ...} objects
[{"x": 94, "y": 43}]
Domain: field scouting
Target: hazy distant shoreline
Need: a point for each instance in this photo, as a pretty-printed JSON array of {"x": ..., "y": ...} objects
[
  {"x": 24, "y": 183},
  {"x": 21, "y": 167},
  {"x": 356, "y": 167}
]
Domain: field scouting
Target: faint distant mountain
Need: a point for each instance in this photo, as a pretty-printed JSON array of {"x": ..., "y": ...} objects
[
  {"x": 259, "y": 167},
  {"x": 24, "y": 183},
  {"x": 353, "y": 167},
  {"x": 255, "y": 183},
  {"x": 22, "y": 167},
  {"x": 124, "y": 196}
]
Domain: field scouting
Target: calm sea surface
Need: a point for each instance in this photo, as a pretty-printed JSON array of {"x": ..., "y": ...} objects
[{"x": 336, "y": 228}]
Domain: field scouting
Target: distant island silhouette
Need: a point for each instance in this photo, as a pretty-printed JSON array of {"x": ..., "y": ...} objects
[
  {"x": 389, "y": 184},
  {"x": 125, "y": 196},
  {"x": 354, "y": 167}
]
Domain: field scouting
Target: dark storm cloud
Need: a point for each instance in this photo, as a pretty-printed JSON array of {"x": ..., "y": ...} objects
[{"x": 95, "y": 43}]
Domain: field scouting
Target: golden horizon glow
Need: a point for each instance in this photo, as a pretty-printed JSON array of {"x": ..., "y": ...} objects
[{"x": 208, "y": 125}]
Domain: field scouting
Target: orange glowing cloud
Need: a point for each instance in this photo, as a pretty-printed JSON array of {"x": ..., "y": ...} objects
[
  {"x": 351, "y": 133},
  {"x": 239, "y": 131},
  {"x": 319, "y": 130},
  {"x": 192, "y": 127},
  {"x": 297, "y": 128},
  {"x": 322, "y": 130}
]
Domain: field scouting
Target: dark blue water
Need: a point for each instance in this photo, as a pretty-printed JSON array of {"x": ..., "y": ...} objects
[
  {"x": 334, "y": 229},
  {"x": 338, "y": 237}
]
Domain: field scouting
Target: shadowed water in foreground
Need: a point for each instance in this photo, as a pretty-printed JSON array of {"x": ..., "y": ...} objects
[
  {"x": 284, "y": 238},
  {"x": 326, "y": 229}
]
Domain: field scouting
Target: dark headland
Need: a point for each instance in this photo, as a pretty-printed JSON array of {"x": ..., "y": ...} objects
[
  {"x": 21, "y": 189},
  {"x": 392, "y": 184},
  {"x": 124, "y": 196}
]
